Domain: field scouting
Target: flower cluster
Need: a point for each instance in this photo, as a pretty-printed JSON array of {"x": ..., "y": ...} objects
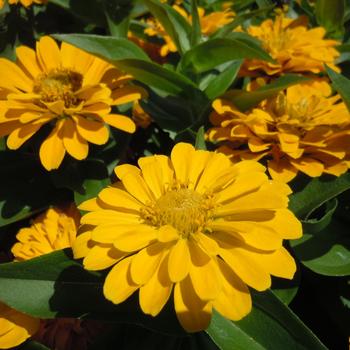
[{"x": 199, "y": 227}]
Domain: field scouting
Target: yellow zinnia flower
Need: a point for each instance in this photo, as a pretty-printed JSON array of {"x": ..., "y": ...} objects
[
  {"x": 55, "y": 229},
  {"x": 25, "y": 3},
  {"x": 293, "y": 46},
  {"x": 195, "y": 223},
  {"x": 209, "y": 24},
  {"x": 68, "y": 89},
  {"x": 302, "y": 129}
]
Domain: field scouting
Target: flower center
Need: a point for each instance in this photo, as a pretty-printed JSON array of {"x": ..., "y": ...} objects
[
  {"x": 301, "y": 111},
  {"x": 184, "y": 209},
  {"x": 59, "y": 85}
]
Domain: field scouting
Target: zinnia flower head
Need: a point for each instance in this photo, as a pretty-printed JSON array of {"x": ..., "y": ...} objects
[
  {"x": 53, "y": 230},
  {"x": 25, "y": 3},
  {"x": 302, "y": 129},
  {"x": 194, "y": 224},
  {"x": 293, "y": 46},
  {"x": 209, "y": 24},
  {"x": 67, "y": 89}
]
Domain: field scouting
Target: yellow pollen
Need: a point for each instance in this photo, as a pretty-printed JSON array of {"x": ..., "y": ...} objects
[
  {"x": 59, "y": 85},
  {"x": 184, "y": 209}
]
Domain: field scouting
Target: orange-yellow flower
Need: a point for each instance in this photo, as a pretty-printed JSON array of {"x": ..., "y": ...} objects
[
  {"x": 55, "y": 229},
  {"x": 140, "y": 117},
  {"x": 195, "y": 224},
  {"x": 209, "y": 24},
  {"x": 293, "y": 46},
  {"x": 302, "y": 129},
  {"x": 67, "y": 89}
]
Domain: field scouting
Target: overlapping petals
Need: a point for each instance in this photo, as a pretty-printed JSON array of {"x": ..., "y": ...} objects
[
  {"x": 68, "y": 89},
  {"x": 303, "y": 129},
  {"x": 293, "y": 46},
  {"x": 195, "y": 225}
]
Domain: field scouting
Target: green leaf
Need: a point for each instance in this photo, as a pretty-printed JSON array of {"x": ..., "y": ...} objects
[
  {"x": 25, "y": 188},
  {"x": 118, "y": 13},
  {"x": 196, "y": 34},
  {"x": 264, "y": 3},
  {"x": 129, "y": 58},
  {"x": 317, "y": 192},
  {"x": 324, "y": 247},
  {"x": 214, "y": 52},
  {"x": 55, "y": 285},
  {"x": 285, "y": 289},
  {"x": 174, "y": 24},
  {"x": 156, "y": 76},
  {"x": 223, "y": 80},
  {"x": 109, "y": 48},
  {"x": 341, "y": 84},
  {"x": 200, "y": 139},
  {"x": 326, "y": 252},
  {"x": 245, "y": 100},
  {"x": 96, "y": 178},
  {"x": 270, "y": 325},
  {"x": 330, "y": 15}
]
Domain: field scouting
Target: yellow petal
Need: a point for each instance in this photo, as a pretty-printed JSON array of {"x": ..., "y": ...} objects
[
  {"x": 146, "y": 262},
  {"x": 234, "y": 301},
  {"x": 81, "y": 245},
  {"x": 179, "y": 261},
  {"x": 120, "y": 122},
  {"x": 164, "y": 172},
  {"x": 27, "y": 58},
  {"x": 118, "y": 285},
  {"x": 217, "y": 166},
  {"x": 109, "y": 217},
  {"x": 282, "y": 170},
  {"x": 309, "y": 166},
  {"x": 22, "y": 134},
  {"x": 198, "y": 163},
  {"x": 52, "y": 150},
  {"x": 91, "y": 130},
  {"x": 156, "y": 292},
  {"x": 242, "y": 185},
  {"x": 101, "y": 257},
  {"x": 90, "y": 205},
  {"x": 122, "y": 170},
  {"x": 206, "y": 280},
  {"x": 253, "y": 233},
  {"x": 136, "y": 239},
  {"x": 48, "y": 53},
  {"x": 181, "y": 157},
  {"x": 13, "y": 77},
  {"x": 74, "y": 144},
  {"x": 279, "y": 263},
  {"x": 119, "y": 199},
  {"x": 193, "y": 314},
  {"x": 137, "y": 187},
  {"x": 167, "y": 233},
  {"x": 127, "y": 94},
  {"x": 242, "y": 263}
]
